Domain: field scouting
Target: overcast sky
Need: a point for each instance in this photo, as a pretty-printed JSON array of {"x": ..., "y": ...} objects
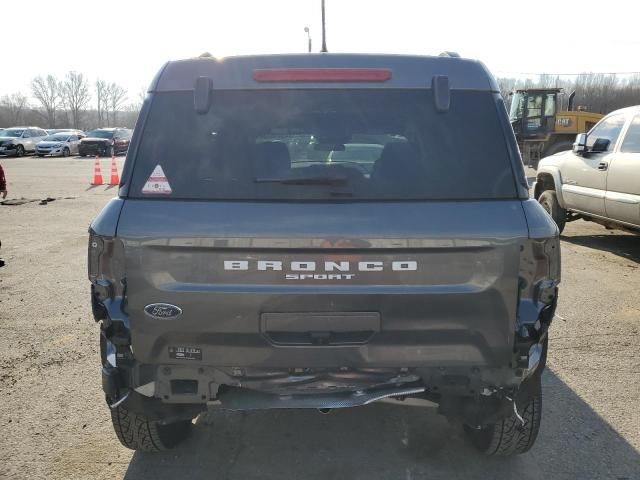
[{"x": 127, "y": 41}]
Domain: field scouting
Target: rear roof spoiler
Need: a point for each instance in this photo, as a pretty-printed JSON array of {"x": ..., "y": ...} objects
[{"x": 407, "y": 72}]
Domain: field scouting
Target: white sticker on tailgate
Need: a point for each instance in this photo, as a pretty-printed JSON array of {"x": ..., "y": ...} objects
[{"x": 157, "y": 182}]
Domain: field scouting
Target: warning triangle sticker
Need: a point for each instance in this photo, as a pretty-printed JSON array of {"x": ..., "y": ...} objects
[{"x": 157, "y": 182}]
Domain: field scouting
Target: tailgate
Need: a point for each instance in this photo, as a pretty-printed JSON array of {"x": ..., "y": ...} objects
[{"x": 324, "y": 284}]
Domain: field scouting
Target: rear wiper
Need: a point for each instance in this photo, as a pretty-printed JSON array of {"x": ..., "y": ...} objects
[{"x": 333, "y": 180}]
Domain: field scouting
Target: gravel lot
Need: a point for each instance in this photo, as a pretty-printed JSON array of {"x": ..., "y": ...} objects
[{"x": 54, "y": 423}]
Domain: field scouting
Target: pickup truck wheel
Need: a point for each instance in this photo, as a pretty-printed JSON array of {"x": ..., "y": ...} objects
[
  {"x": 139, "y": 433},
  {"x": 549, "y": 201},
  {"x": 508, "y": 436}
]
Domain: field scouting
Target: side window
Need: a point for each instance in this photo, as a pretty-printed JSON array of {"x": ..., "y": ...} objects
[
  {"x": 631, "y": 142},
  {"x": 26, "y": 134},
  {"x": 550, "y": 105},
  {"x": 42, "y": 133},
  {"x": 608, "y": 128}
]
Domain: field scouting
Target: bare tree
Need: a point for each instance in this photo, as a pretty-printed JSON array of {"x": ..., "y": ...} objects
[
  {"x": 596, "y": 92},
  {"x": 106, "y": 103},
  {"x": 102, "y": 98},
  {"x": 15, "y": 104},
  {"x": 47, "y": 92},
  {"x": 117, "y": 96},
  {"x": 75, "y": 94}
]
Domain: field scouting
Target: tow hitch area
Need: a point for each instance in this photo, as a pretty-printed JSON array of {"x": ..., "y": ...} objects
[{"x": 244, "y": 399}]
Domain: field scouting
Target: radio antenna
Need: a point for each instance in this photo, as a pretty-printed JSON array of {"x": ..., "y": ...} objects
[{"x": 324, "y": 33}]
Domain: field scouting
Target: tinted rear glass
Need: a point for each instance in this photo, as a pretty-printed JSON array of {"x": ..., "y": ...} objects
[{"x": 374, "y": 144}]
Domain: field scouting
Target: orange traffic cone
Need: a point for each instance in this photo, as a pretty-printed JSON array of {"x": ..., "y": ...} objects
[
  {"x": 115, "y": 179},
  {"x": 97, "y": 174}
]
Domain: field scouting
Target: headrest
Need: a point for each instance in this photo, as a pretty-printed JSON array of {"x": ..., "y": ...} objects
[
  {"x": 398, "y": 160},
  {"x": 272, "y": 158}
]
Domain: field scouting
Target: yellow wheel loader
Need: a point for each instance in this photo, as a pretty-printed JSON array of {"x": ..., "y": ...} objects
[{"x": 540, "y": 128}]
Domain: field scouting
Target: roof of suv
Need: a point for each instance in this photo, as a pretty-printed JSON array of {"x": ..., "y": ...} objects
[{"x": 406, "y": 71}]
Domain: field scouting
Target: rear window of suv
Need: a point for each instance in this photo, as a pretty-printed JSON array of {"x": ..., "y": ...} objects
[{"x": 374, "y": 144}]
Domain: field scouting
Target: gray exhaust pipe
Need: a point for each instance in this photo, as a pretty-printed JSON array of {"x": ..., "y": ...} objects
[{"x": 570, "y": 104}]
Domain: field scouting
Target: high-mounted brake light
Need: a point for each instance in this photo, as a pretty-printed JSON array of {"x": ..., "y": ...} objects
[{"x": 322, "y": 75}]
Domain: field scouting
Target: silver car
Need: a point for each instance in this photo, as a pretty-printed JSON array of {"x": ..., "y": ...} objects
[
  {"x": 599, "y": 180},
  {"x": 60, "y": 144},
  {"x": 20, "y": 140},
  {"x": 51, "y": 131}
]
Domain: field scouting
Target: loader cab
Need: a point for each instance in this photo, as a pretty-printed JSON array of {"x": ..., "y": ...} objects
[{"x": 533, "y": 112}]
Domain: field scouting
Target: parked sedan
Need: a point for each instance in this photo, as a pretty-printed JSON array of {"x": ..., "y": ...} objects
[
  {"x": 105, "y": 142},
  {"x": 361, "y": 156},
  {"x": 59, "y": 144},
  {"x": 20, "y": 140},
  {"x": 51, "y": 131}
]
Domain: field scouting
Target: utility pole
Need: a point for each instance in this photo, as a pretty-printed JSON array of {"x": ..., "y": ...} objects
[{"x": 324, "y": 33}]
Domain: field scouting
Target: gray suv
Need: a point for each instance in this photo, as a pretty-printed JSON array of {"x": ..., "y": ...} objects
[{"x": 250, "y": 266}]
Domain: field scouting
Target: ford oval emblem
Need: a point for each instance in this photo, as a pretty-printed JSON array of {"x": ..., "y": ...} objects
[{"x": 162, "y": 311}]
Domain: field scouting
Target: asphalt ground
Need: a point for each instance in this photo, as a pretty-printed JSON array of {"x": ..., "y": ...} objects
[{"x": 54, "y": 423}]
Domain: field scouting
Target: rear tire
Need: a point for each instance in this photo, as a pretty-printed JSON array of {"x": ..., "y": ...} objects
[
  {"x": 508, "y": 437},
  {"x": 549, "y": 201},
  {"x": 139, "y": 433}
]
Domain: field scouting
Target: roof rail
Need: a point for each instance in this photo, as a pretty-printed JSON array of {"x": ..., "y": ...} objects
[{"x": 447, "y": 53}]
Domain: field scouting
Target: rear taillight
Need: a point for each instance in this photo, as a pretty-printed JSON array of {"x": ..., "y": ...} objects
[
  {"x": 96, "y": 247},
  {"x": 105, "y": 260},
  {"x": 540, "y": 270},
  {"x": 322, "y": 75}
]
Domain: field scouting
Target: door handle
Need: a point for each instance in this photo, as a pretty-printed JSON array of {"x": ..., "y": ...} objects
[{"x": 603, "y": 166}]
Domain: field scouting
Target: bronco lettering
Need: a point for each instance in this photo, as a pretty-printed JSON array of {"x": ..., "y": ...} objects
[{"x": 312, "y": 266}]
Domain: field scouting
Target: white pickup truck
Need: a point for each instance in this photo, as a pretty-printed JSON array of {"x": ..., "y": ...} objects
[{"x": 599, "y": 180}]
